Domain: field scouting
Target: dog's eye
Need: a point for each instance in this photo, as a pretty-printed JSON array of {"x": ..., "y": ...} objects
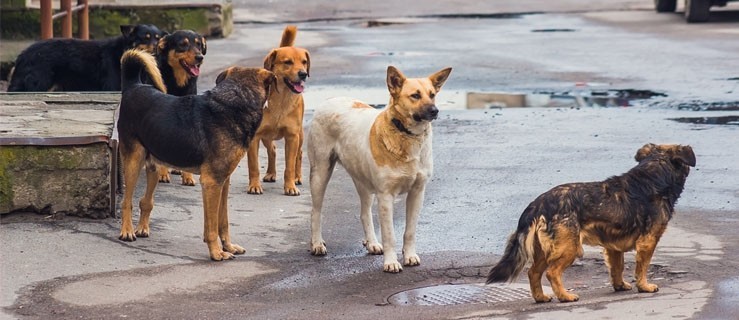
[
  {"x": 416, "y": 96},
  {"x": 432, "y": 95},
  {"x": 156, "y": 36},
  {"x": 148, "y": 36},
  {"x": 288, "y": 62},
  {"x": 305, "y": 61}
]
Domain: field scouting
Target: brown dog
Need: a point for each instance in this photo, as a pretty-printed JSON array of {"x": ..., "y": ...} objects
[
  {"x": 283, "y": 118},
  {"x": 205, "y": 134},
  {"x": 620, "y": 214}
]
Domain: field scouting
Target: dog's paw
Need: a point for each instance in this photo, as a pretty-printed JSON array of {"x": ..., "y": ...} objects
[
  {"x": 648, "y": 288},
  {"x": 127, "y": 236},
  {"x": 219, "y": 256},
  {"x": 392, "y": 267},
  {"x": 255, "y": 189},
  {"x": 292, "y": 191},
  {"x": 622, "y": 287},
  {"x": 319, "y": 249},
  {"x": 413, "y": 260},
  {"x": 188, "y": 179},
  {"x": 233, "y": 248},
  {"x": 142, "y": 231},
  {"x": 373, "y": 248},
  {"x": 299, "y": 181},
  {"x": 175, "y": 171},
  {"x": 269, "y": 177},
  {"x": 543, "y": 298},
  {"x": 164, "y": 178},
  {"x": 568, "y": 297}
]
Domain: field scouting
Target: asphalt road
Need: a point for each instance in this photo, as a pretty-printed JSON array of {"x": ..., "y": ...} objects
[{"x": 489, "y": 165}]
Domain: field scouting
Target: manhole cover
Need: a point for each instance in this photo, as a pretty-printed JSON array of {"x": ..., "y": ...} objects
[{"x": 452, "y": 294}]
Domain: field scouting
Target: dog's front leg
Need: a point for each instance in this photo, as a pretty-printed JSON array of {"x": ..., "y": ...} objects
[
  {"x": 223, "y": 231},
  {"x": 291, "y": 153},
  {"x": 645, "y": 246},
  {"x": 413, "y": 204},
  {"x": 385, "y": 204},
  {"x": 615, "y": 263},
  {"x": 212, "y": 192}
]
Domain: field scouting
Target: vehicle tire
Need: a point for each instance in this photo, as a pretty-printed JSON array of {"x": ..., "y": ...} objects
[
  {"x": 697, "y": 10},
  {"x": 665, "y": 5}
]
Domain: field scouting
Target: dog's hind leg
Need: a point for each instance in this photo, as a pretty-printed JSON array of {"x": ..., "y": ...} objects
[
  {"x": 565, "y": 250},
  {"x": 291, "y": 153},
  {"x": 385, "y": 204},
  {"x": 147, "y": 201},
  {"x": 321, "y": 168},
  {"x": 413, "y": 204},
  {"x": 252, "y": 156},
  {"x": 365, "y": 215},
  {"x": 615, "y": 262},
  {"x": 271, "y": 175},
  {"x": 132, "y": 158},
  {"x": 299, "y": 161},
  {"x": 212, "y": 193},
  {"x": 538, "y": 266},
  {"x": 223, "y": 231}
]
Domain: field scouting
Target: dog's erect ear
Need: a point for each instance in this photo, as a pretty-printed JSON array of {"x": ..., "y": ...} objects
[
  {"x": 269, "y": 60},
  {"x": 685, "y": 155},
  {"x": 204, "y": 45},
  {"x": 438, "y": 78},
  {"x": 127, "y": 29},
  {"x": 395, "y": 80},
  {"x": 223, "y": 75},
  {"x": 644, "y": 151},
  {"x": 162, "y": 44}
]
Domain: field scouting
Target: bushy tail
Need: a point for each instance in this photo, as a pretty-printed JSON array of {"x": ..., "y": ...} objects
[
  {"x": 133, "y": 63},
  {"x": 514, "y": 259},
  {"x": 288, "y": 36}
]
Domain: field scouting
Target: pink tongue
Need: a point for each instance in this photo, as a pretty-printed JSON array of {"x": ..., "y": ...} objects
[
  {"x": 298, "y": 86},
  {"x": 194, "y": 70}
]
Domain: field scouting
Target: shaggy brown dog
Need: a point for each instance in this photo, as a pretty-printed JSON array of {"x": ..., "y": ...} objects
[
  {"x": 620, "y": 214},
  {"x": 283, "y": 118},
  {"x": 205, "y": 134}
]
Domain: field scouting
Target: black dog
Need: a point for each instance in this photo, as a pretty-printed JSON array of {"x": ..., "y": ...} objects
[
  {"x": 622, "y": 213},
  {"x": 179, "y": 56},
  {"x": 79, "y": 65},
  {"x": 206, "y": 134}
]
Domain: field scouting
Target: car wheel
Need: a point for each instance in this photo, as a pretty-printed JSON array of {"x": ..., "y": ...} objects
[
  {"x": 665, "y": 5},
  {"x": 697, "y": 10}
]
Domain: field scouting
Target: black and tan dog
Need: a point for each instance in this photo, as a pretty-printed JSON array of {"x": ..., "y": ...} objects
[
  {"x": 206, "y": 134},
  {"x": 622, "y": 213},
  {"x": 79, "y": 65},
  {"x": 284, "y": 117},
  {"x": 179, "y": 57}
]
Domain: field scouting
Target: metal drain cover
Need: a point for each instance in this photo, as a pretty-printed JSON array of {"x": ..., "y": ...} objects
[{"x": 451, "y": 294}]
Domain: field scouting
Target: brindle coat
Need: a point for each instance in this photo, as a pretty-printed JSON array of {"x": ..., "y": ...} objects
[{"x": 622, "y": 213}]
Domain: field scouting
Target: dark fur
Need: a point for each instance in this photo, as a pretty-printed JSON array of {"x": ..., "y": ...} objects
[
  {"x": 206, "y": 134},
  {"x": 79, "y": 65},
  {"x": 184, "y": 44},
  {"x": 622, "y": 213}
]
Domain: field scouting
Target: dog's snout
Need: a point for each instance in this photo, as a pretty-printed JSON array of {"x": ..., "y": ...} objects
[
  {"x": 199, "y": 58},
  {"x": 302, "y": 75},
  {"x": 433, "y": 111}
]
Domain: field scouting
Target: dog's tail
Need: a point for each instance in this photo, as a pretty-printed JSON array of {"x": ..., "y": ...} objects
[
  {"x": 288, "y": 36},
  {"x": 519, "y": 249},
  {"x": 133, "y": 63}
]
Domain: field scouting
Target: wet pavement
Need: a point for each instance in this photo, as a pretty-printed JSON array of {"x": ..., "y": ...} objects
[{"x": 489, "y": 163}]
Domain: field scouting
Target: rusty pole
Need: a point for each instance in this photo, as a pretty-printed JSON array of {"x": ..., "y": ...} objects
[
  {"x": 66, "y": 6},
  {"x": 83, "y": 20},
  {"x": 47, "y": 29}
]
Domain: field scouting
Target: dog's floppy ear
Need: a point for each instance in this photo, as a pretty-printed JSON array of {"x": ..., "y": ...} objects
[
  {"x": 438, "y": 78},
  {"x": 269, "y": 60},
  {"x": 395, "y": 80},
  {"x": 127, "y": 29},
  {"x": 307, "y": 68},
  {"x": 685, "y": 155},
  {"x": 269, "y": 80},
  {"x": 204, "y": 45},
  {"x": 162, "y": 44},
  {"x": 644, "y": 151},
  {"x": 223, "y": 75}
]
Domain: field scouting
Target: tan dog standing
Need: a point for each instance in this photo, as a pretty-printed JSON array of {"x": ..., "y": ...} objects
[
  {"x": 283, "y": 118},
  {"x": 386, "y": 152}
]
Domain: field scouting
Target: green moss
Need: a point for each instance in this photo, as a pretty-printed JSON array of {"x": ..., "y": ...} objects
[{"x": 6, "y": 178}]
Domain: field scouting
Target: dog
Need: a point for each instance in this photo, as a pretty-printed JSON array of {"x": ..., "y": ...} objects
[
  {"x": 79, "y": 65},
  {"x": 205, "y": 134},
  {"x": 179, "y": 57},
  {"x": 284, "y": 117},
  {"x": 622, "y": 213},
  {"x": 386, "y": 152}
]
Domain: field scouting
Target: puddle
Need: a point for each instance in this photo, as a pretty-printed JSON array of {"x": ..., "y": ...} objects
[
  {"x": 725, "y": 120},
  {"x": 455, "y": 294},
  {"x": 553, "y": 30}
]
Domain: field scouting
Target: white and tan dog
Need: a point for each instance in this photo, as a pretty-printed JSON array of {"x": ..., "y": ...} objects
[{"x": 386, "y": 152}]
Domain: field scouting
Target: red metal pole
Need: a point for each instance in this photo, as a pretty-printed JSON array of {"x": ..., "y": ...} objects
[
  {"x": 47, "y": 29},
  {"x": 66, "y": 6},
  {"x": 83, "y": 20}
]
